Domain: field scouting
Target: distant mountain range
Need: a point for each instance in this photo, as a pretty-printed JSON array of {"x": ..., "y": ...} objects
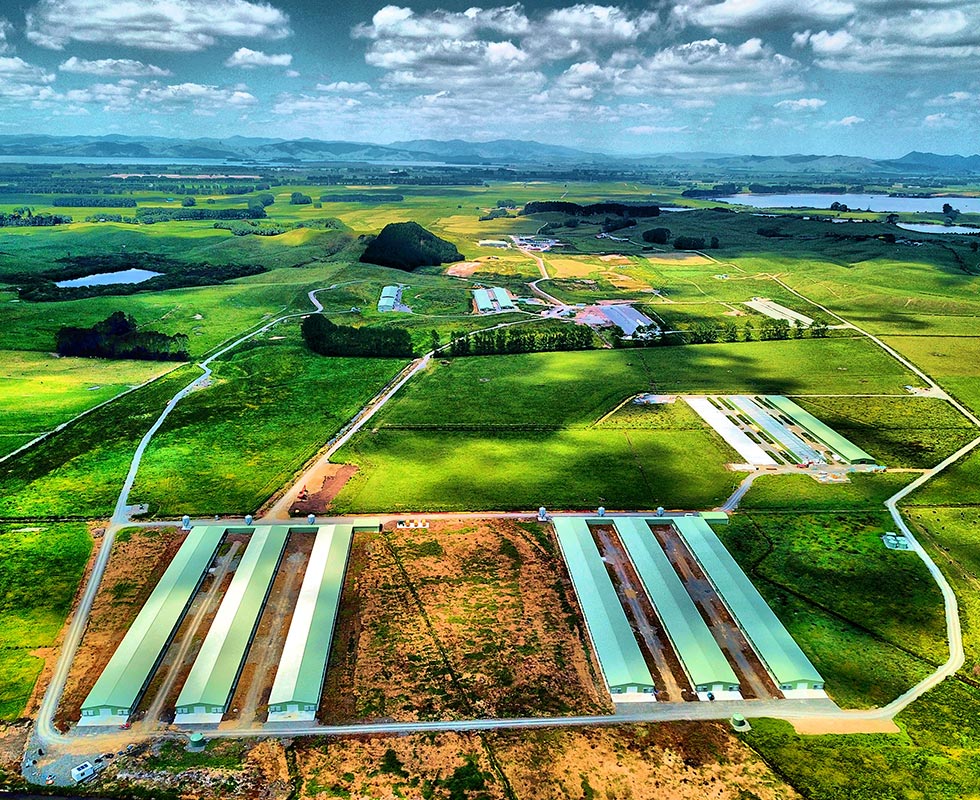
[{"x": 500, "y": 152}]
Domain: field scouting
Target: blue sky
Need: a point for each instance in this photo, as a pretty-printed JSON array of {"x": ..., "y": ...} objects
[{"x": 862, "y": 77}]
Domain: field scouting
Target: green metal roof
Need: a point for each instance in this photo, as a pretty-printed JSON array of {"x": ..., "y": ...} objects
[
  {"x": 619, "y": 655},
  {"x": 299, "y": 677},
  {"x": 215, "y": 671},
  {"x": 128, "y": 671},
  {"x": 777, "y": 649},
  {"x": 849, "y": 451},
  {"x": 696, "y": 647}
]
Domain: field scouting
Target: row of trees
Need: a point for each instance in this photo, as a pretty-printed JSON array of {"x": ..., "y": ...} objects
[
  {"x": 328, "y": 339},
  {"x": 519, "y": 339},
  {"x": 88, "y": 201},
  {"x": 662, "y": 236},
  {"x": 118, "y": 337},
  {"x": 26, "y": 218},
  {"x": 711, "y": 332}
]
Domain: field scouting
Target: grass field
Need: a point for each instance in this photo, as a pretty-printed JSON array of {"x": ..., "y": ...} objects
[
  {"x": 40, "y": 567},
  {"x": 270, "y": 407},
  {"x": 792, "y": 493},
  {"x": 953, "y": 361},
  {"x": 437, "y": 470},
  {"x": 79, "y": 471},
  {"x": 958, "y": 485},
  {"x": 38, "y": 391},
  {"x": 575, "y": 389},
  {"x": 900, "y": 432}
]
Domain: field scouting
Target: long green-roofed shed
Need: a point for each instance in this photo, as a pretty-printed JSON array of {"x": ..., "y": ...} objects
[
  {"x": 699, "y": 653},
  {"x": 783, "y": 657},
  {"x": 612, "y": 637},
  {"x": 845, "y": 448},
  {"x": 122, "y": 682},
  {"x": 299, "y": 678},
  {"x": 218, "y": 664}
]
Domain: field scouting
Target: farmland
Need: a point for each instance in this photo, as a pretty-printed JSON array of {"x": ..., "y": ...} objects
[
  {"x": 40, "y": 567},
  {"x": 476, "y": 618}
]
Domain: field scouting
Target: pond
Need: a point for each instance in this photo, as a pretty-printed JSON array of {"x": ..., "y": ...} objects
[
  {"x": 109, "y": 278},
  {"x": 856, "y": 202},
  {"x": 926, "y": 227}
]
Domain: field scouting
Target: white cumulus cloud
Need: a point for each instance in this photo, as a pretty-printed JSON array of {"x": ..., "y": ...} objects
[
  {"x": 112, "y": 67},
  {"x": 802, "y": 104},
  {"x": 175, "y": 25},
  {"x": 345, "y": 87},
  {"x": 249, "y": 59}
]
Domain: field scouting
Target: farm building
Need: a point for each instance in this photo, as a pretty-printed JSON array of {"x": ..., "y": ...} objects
[
  {"x": 299, "y": 678},
  {"x": 731, "y": 433},
  {"x": 772, "y": 426},
  {"x": 827, "y": 436},
  {"x": 768, "y": 308},
  {"x": 391, "y": 296},
  {"x": 492, "y": 300},
  {"x": 700, "y": 656},
  {"x": 622, "y": 663},
  {"x": 118, "y": 690},
  {"x": 626, "y": 317},
  {"x": 212, "y": 679},
  {"x": 771, "y": 641}
]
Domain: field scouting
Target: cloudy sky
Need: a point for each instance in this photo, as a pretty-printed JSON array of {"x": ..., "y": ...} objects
[{"x": 864, "y": 77}]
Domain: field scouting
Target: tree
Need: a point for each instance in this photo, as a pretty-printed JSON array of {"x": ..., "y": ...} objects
[
  {"x": 950, "y": 212},
  {"x": 715, "y": 244},
  {"x": 436, "y": 340},
  {"x": 819, "y": 329},
  {"x": 798, "y": 329},
  {"x": 657, "y": 236},
  {"x": 188, "y": 202},
  {"x": 704, "y": 332},
  {"x": 689, "y": 243},
  {"x": 729, "y": 332},
  {"x": 748, "y": 331},
  {"x": 891, "y": 219},
  {"x": 300, "y": 199}
]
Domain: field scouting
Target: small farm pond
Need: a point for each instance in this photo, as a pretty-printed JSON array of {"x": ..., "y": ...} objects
[{"x": 108, "y": 278}]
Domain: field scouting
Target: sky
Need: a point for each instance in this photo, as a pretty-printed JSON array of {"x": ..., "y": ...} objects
[{"x": 874, "y": 78}]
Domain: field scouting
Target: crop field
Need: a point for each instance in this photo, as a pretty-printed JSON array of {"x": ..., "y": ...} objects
[
  {"x": 269, "y": 408},
  {"x": 40, "y": 567},
  {"x": 459, "y": 621},
  {"x": 38, "y": 391},
  {"x": 900, "y": 432}
]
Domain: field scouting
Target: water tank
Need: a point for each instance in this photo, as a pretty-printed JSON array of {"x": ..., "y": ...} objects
[
  {"x": 602, "y": 511},
  {"x": 186, "y": 521},
  {"x": 660, "y": 511},
  {"x": 248, "y": 519},
  {"x": 542, "y": 513},
  {"x": 311, "y": 519}
]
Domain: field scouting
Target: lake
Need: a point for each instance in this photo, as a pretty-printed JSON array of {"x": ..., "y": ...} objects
[
  {"x": 109, "y": 278},
  {"x": 856, "y": 202},
  {"x": 925, "y": 227}
]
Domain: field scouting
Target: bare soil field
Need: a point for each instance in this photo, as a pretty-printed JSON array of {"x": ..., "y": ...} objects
[
  {"x": 678, "y": 258},
  {"x": 138, "y": 559},
  {"x": 475, "y": 620},
  {"x": 323, "y": 486},
  {"x": 683, "y": 761}
]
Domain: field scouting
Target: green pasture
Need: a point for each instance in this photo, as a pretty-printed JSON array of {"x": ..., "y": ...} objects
[
  {"x": 957, "y": 485},
  {"x": 40, "y": 567},
  {"x": 900, "y": 431},
  {"x": 39, "y": 391},
  {"x": 559, "y": 389},
  {"x": 447, "y": 470},
  {"x": 270, "y": 407},
  {"x": 792, "y": 493},
  {"x": 952, "y": 361},
  {"x": 79, "y": 471}
]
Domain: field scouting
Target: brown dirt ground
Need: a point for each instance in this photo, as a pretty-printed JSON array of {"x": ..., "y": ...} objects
[
  {"x": 683, "y": 761},
  {"x": 464, "y": 269},
  {"x": 134, "y": 568},
  {"x": 459, "y": 621},
  {"x": 323, "y": 485}
]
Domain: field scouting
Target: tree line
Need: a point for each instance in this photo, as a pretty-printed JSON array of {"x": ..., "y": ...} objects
[
  {"x": 118, "y": 337},
  {"x": 590, "y": 210},
  {"x": 88, "y": 201},
  {"x": 518, "y": 339},
  {"x": 328, "y": 339}
]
